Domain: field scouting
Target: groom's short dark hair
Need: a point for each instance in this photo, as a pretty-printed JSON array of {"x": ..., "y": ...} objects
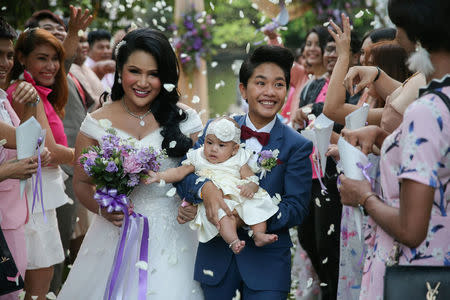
[{"x": 280, "y": 56}]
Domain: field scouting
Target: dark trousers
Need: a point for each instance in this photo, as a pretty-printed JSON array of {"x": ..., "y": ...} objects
[{"x": 314, "y": 237}]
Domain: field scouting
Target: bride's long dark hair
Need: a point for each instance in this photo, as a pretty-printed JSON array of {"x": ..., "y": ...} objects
[{"x": 164, "y": 106}]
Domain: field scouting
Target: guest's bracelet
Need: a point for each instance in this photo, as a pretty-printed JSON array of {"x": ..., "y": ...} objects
[
  {"x": 363, "y": 199},
  {"x": 378, "y": 74}
]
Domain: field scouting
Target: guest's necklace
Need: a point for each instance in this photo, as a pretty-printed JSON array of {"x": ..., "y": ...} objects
[{"x": 141, "y": 118}]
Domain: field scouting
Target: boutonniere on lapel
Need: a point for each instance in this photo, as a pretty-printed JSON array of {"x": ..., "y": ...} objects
[{"x": 267, "y": 160}]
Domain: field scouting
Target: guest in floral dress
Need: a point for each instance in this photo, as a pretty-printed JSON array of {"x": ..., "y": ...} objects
[{"x": 415, "y": 165}]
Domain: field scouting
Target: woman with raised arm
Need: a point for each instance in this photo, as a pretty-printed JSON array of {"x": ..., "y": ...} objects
[{"x": 410, "y": 219}]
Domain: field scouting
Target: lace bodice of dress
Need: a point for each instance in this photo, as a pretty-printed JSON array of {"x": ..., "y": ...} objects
[{"x": 150, "y": 199}]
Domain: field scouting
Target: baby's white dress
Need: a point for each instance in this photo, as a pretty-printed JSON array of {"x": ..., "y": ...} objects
[{"x": 226, "y": 176}]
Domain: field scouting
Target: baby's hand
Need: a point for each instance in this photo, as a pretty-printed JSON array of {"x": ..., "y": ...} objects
[
  {"x": 248, "y": 190},
  {"x": 152, "y": 177}
]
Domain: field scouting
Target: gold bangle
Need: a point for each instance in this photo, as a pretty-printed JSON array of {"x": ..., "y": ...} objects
[{"x": 364, "y": 198}]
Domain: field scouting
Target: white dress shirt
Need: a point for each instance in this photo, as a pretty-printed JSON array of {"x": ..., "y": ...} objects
[{"x": 252, "y": 143}]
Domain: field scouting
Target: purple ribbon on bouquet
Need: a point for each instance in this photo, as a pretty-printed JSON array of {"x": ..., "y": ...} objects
[
  {"x": 112, "y": 201},
  {"x": 38, "y": 184}
]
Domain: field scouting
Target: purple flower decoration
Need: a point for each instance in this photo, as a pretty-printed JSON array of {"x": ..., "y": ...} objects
[{"x": 111, "y": 167}]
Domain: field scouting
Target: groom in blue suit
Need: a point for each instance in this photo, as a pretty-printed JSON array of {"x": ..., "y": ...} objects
[{"x": 258, "y": 273}]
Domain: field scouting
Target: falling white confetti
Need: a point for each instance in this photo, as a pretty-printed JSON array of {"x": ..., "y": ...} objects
[
  {"x": 359, "y": 14},
  {"x": 51, "y": 296},
  {"x": 323, "y": 284},
  {"x": 241, "y": 14},
  {"x": 190, "y": 86},
  {"x": 196, "y": 99},
  {"x": 278, "y": 197},
  {"x": 70, "y": 201},
  {"x": 237, "y": 296},
  {"x": 169, "y": 87},
  {"x": 69, "y": 267},
  {"x": 34, "y": 297},
  {"x": 317, "y": 202},
  {"x": 162, "y": 183},
  {"x": 142, "y": 265},
  {"x": 325, "y": 260},
  {"x": 326, "y": 24},
  {"x": 279, "y": 216},
  {"x": 331, "y": 230},
  {"x": 214, "y": 64},
  {"x": 247, "y": 48},
  {"x": 172, "y": 144},
  {"x": 217, "y": 86},
  {"x": 171, "y": 192},
  {"x": 223, "y": 46},
  {"x": 77, "y": 220},
  {"x": 310, "y": 282},
  {"x": 212, "y": 5},
  {"x": 180, "y": 111},
  {"x": 208, "y": 272}
]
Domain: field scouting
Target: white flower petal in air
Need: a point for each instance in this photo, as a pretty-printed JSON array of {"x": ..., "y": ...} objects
[
  {"x": 183, "y": 55},
  {"x": 223, "y": 46},
  {"x": 331, "y": 230},
  {"x": 222, "y": 83},
  {"x": 247, "y": 48},
  {"x": 3, "y": 8},
  {"x": 70, "y": 201},
  {"x": 169, "y": 87},
  {"x": 172, "y": 144},
  {"x": 162, "y": 183},
  {"x": 34, "y": 297},
  {"x": 309, "y": 283},
  {"x": 208, "y": 272},
  {"x": 241, "y": 14},
  {"x": 212, "y": 5},
  {"x": 255, "y": 6},
  {"x": 51, "y": 296},
  {"x": 325, "y": 260},
  {"x": 317, "y": 202},
  {"x": 171, "y": 192},
  {"x": 180, "y": 111},
  {"x": 200, "y": 20},
  {"x": 195, "y": 99},
  {"x": 217, "y": 86},
  {"x": 326, "y": 24},
  {"x": 359, "y": 14},
  {"x": 279, "y": 216},
  {"x": 237, "y": 296},
  {"x": 214, "y": 64},
  {"x": 323, "y": 284}
]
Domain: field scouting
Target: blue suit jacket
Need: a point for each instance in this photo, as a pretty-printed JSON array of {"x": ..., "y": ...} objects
[{"x": 268, "y": 267}]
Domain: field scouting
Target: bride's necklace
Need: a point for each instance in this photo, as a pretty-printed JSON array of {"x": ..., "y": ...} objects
[{"x": 141, "y": 118}]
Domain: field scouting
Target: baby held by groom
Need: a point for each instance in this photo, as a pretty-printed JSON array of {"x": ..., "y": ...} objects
[{"x": 225, "y": 162}]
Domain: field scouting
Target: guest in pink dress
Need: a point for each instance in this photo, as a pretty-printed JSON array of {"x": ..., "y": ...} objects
[
  {"x": 413, "y": 210},
  {"x": 42, "y": 55}
]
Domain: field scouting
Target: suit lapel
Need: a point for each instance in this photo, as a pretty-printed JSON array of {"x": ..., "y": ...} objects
[{"x": 276, "y": 135}]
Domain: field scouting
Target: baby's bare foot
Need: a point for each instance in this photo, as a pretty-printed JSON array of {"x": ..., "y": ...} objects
[
  {"x": 237, "y": 245},
  {"x": 262, "y": 239}
]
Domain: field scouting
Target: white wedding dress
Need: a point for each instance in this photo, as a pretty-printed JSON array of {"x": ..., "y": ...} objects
[{"x": 172, "y": 247}]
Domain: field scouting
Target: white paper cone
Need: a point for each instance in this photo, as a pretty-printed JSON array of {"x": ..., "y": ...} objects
[
  {"x": 27, "y": 135},
  {"x": 323, "y": 127},
  {"x": 350, "y": 156},
  {"x": 358, "y": 118}
]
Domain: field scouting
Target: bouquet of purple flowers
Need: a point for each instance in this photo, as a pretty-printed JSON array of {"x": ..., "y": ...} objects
[
  {"x": 116, "y": 167},
  {"x": 118, "y": 164}
]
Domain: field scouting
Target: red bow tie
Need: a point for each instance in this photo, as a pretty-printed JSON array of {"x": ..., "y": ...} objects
[{"x": 262, "y": 137}]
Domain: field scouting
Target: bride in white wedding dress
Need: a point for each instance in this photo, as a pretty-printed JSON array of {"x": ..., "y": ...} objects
[{"x": 145, "y": 108}]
